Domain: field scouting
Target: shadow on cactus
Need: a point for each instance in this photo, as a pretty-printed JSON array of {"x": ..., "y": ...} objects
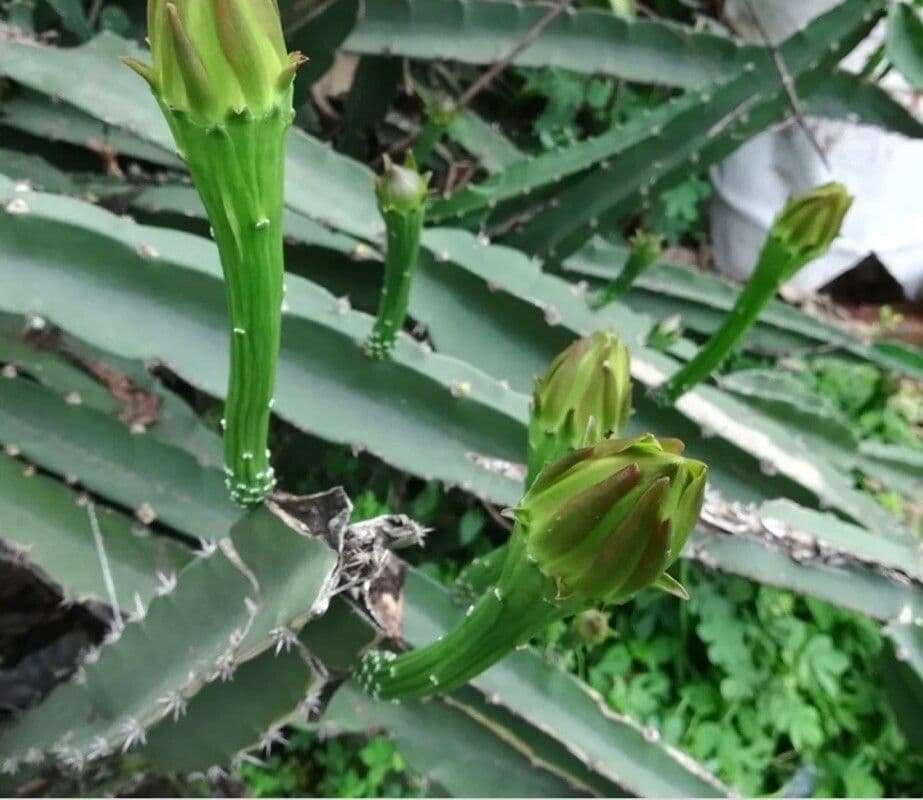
[
  {"x": 596, "y": 527},
  {"x": 223, "y": 79}
]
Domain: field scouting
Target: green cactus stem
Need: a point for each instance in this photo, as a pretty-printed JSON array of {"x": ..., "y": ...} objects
[
  {"x": 223, "y": 79},
  {"x": 596, "y": 527},
  {"x": 803, "y": 232},
  {"x": 645, "y": 250},
  {"x": 401, "y": 193}
]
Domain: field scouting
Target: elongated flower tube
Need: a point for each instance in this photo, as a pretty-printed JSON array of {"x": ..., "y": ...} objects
[
  {"x": 803, "y": 232},
  {"x": 401, "y": 193},
  {"x": 584, "y": 397},
  {"x": 645, "y": 250},
  {"x": 223, "y": 79},
  {"x": 596, "y": 527}
]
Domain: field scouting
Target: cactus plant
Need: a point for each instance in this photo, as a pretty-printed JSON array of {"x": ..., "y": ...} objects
[
  {"x": 223, "y": 79},
  {"x": 802, "y": 232},
  {"x": 597, "y": 526},
  {"x": 401, "y": 193}
]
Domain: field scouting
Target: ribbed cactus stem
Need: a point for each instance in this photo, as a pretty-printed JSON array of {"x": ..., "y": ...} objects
[
  {"x": 401, "y": 193},
  {"x": 223, "y": 79},
  {"x": 802, "y": 232},
  {"x": 521, "y": 603},
  {"x": 758, "y": 291},
  {"x": 645, "y": 250},
  {"x": 241, "y": 188}
]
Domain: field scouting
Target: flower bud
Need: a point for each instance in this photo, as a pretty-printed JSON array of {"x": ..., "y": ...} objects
[
  {"x": 607, "y": 521},
  {"x": 810, "y": 222},
  {"x": 401, "y": 188},
  {"x": 216, "y": 57},
  {"x": 803, "y": 231},
  {"x": 584, "y": 397},
  {"x": 592, "y": 626}
]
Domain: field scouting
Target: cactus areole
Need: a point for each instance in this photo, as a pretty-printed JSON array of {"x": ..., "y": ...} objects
[
  {"x": 223, "y": 79},
  {"x": 596, "y": 527}
]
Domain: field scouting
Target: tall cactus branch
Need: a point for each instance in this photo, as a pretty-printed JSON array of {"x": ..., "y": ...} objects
[{"x": 223, "y": 80}]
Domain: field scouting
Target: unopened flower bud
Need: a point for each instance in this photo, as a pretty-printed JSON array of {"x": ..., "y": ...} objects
[
  {"x": 401, "y": 188},
  {"x": 592, "y": 626},
  {"x": 810, "y": 222},
  {"x": 221, "y": 75},
  {"x": 608, "y": 520},
  {"x": 802, "y": 232},
  {"x": 211, "y": 58},
  {"x": 584, "y": 397},
  {"x": 596, "y": 527},
  {"x": 401, "y": 193}
]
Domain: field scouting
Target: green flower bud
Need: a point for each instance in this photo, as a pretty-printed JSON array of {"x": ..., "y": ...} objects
[
  {"x": 223, "y": 80},
  {"x": 584, "y": 397},
  {"x": 401, "y": 193},
  {"x": 212, "y": 58},
  {"x": 607, "y": 521},
  {"x": 401, "y": 189},
  {"x": 666, "y": 333},
  {"x": 810, "y": 222},
  {"x": 803, "y": 231},
  {"x": 592, "y": 626},
  {"x": 442, "y": 111}
]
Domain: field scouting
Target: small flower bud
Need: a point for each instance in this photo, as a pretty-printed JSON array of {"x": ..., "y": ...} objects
[
  {"x": 608, "y": 520},
  {"x": 592, "y": 626},
  {"x": 584, "y": 397},
  {"x": 401, "y": 189},
  {"x": 810, "y": 222}
]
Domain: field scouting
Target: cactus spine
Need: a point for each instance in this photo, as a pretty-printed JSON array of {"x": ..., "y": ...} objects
[
  {"x": 401, "y": 193},
  {"x": 223, "y": 80},
  {"x": 802, "y": 232}
]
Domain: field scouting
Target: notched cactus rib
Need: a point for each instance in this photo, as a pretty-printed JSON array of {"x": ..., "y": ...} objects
[
  {"x": 596, "y": 527},
  {"x": 223, "y": 80},
  {"x": 802, "y": 232},
  {"x": 401, "y": 193}
]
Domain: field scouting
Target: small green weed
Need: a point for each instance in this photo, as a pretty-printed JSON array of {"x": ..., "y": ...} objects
[
  {"x": 759, "y": 684},
  {"x": 347, "y": 766}
]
